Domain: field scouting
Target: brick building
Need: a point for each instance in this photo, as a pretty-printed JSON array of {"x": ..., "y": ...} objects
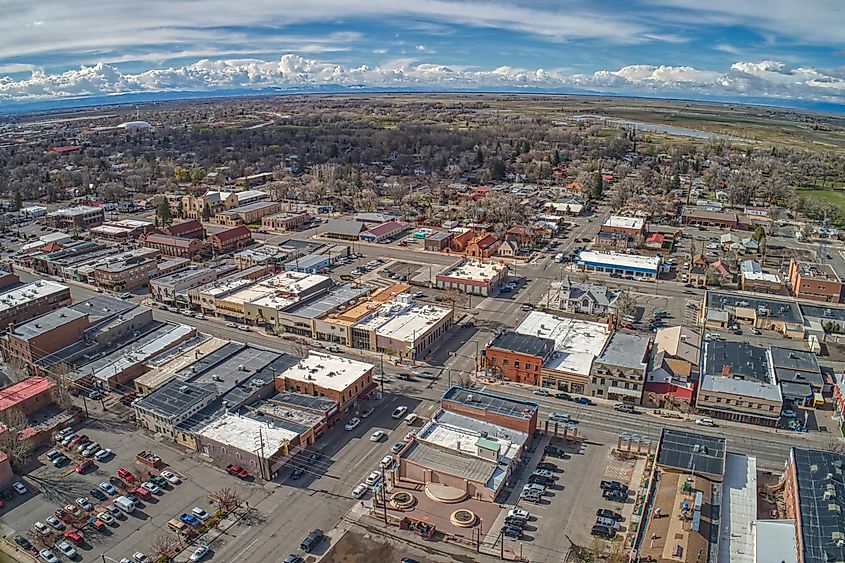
[
  {"x": 247, "y": 214},
  {"x": 76, "y": 218},
  {"x": 288, "y": 221},
  {"x": 509, "y": 412},
  {"x": 31, "y": 300},
  {"x": 173, "y": 246},
  {"x": 185, "y": 229},
  {"x": 817, "y": 282},
  {"x": 632, "y": 226},
  {"x": 323, "y": 375},
  {"x": 518, "y": 357},
  {"x": 230, "y": 239},
  {"x": 44, "y": 335},
  {"x": 28, "y": 395}
]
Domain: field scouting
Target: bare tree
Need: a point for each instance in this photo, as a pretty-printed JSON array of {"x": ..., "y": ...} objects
[
  {"x": 225, "y": 499},
  {"x": 300, "y": 347},
  {"x": 835, "y": 445},
  {"x": 165, "y": 546},
  {"x": 626, "y": 305},
  {"x": 19, "y": 450}
]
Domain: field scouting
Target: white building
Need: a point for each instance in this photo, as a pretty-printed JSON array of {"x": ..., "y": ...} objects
[
  {"x": 632, "y": 265},
  {"x": 402, "y": 326},
  {"x": 577, "y": 342}
]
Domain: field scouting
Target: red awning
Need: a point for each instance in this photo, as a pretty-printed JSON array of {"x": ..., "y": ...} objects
[{"x": 367, "y": 390}]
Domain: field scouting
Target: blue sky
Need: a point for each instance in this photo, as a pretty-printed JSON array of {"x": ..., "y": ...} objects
[{"x": 725, "y": 49}]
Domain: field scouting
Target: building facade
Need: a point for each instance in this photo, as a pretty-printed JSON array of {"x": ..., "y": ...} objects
[{"x": 817, "y": 282}]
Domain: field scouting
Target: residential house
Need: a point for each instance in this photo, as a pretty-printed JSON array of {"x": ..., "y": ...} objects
[{"x": 483, "y": 246}]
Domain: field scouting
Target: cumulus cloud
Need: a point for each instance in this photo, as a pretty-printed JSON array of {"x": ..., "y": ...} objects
[{"x": 772, "y": 79}]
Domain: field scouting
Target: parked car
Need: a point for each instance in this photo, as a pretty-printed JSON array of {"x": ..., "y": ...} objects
[
  {"x": 84, "y": 466},
  {"x": 311, "y": 541},
  {"x": 171, "y": 478},
  {"x": 615, "y": 496},
  {"x": 542, "y": 392},
  {"x": 528, "y": 487},
  {"x": 705, "y": 422},
  {"x": 554, "y": 451},
  {"x": 48, "y": 556},
  {"x": 152, "y": 487},
  {"x": 84, "y": 504},
  {"x": 397, "y": 447},
  {"x": 359, "y": 490},
  {"x": 353, "y": 423},
  {"x": 190, "y": 520},
  {"x": 559, "y": 417},
  {"x": 386, "y": 461},
  {"x": 20, "y": 488},
  {"x": 624, "y": 407},
  {"x": 199, "y": 553},
  {"x": 788, "y": 413},
  {"x": 106, "y": 517},
  {"x": 61, "y": 461},
  {"x": 512, "y": 532},
  {"x": 519, "y": 513},
  {"x": 564, "y": 396},
  {"x": 74, "y": 536},
  {"x": 55, "y": 523},
  {"x": 102, "y": 455},
  {"x": 378, "y": 436},
  {"x": 237, "y": 471},
  {"x": 399, "y": 411},
  {"x": 98, "y": 494},
  {"x": 368, "y": 412},
  {"x": 583, "y": 401},
  {"x": 41, "y": 528},
  {"x": 545, "y": 465},
  {"x": 200, "y": 513},
  {"x": 614, "y": 486},
  {"x": 23, "y": 543},
  {"x": 606, "y": 513},
  {"x": 373, "y": 478},
  {"x": 602, "y": 532}
]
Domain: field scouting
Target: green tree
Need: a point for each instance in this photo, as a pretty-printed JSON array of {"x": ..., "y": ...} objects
[
  {"x": 497, "y": 169},
  {"x": 556, "y": 157},
  {"x": 206, "y": 212},
  {"x": 196, "y": 174},
  {"x": 598, "y": 186},
  {"x": 163, "y": 215},
  {"x": 181, "y": 174},
  {"x": 18, "y": 200}
]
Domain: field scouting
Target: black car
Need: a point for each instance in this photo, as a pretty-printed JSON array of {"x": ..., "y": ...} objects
[
  {"x": 135, "y": 500},
  {"x": 98, "y": 494},
  {"x": 564, "y": 396},
  {"x": 614, "y": 486},
  {"x": 515, "y": 522},
  {"x": 540, "y": 479},
  {"x": 294, "y": 559},
  {"x": 605, "y": 513},
  {"x": 6, "y": 494},
  {"x": 23, "y": 542},
  {"x": 512, "y": 532},
  {"x": 547, "y": 466},
  {"x": 61, "y": 461},
  {"x": 312, "y": 540},
  {"x": 615, "y": 496},
  {"x": 408, "y": 560},
  {"x": 554, "y": 451},
  {"x": 116, "y": 481},
  {"x": 602, "y": 532},
  {"x": 297, "y": 473}
]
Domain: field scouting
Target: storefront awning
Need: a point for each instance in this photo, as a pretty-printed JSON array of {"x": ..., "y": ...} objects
[{"x": 367, "y": 390}]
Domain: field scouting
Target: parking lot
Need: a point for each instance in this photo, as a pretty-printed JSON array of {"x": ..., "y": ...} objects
[
  {"x": 568, "y": 508},
  {"x": 55, "y": 488}
]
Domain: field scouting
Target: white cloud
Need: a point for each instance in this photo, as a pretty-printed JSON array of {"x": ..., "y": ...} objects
[{"x": 772, "y": 79}]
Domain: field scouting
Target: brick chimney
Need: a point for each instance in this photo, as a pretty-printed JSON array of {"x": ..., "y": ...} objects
[{"x": 726, "y": 370}]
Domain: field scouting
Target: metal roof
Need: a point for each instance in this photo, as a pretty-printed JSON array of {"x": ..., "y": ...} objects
[
  {"x": 499, "y": 404},
  {"x": 318, "y": 306},
  {"x": 688, "y": 451},
  {"x": 46, "y": 323},
  {"x": 786, "y": 311}
]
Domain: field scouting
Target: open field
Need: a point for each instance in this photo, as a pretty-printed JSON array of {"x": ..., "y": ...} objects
[{"x": 834, "y": 197}]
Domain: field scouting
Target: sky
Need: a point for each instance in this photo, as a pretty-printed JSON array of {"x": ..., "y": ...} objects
[{"x": 784, "y": 50}]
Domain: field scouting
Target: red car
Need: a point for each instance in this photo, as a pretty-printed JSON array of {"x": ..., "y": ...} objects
[
  {"x": 142, "y": 493},
  {"x": 237, "y": 471},
  {"x": 84, "y": 466},
  {"x": 126, "y": 475},
  {"x": 75, "y": 537},
  {"x": 65, "y": 517}
]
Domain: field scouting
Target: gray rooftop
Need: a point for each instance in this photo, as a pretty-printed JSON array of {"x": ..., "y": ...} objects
[
  {"x": 181, "y": 275},
  {"x": 523, "y": 344},
  {"x": 786, "y": 311},
  {"x": 446, "y": 461},
  {"x": 492, "y": 430},
  {"x": 438, "y": 236},
  {"x": 823, "y": 312},
  {"x": 318, "y": 306},
  {"x": 249, "y": 207},
  {"x": 45, "y": 323},
  {"x": 822, "y": 515},
  {"x": 102, "y": 306},
  {"x": 743, "y": 359},
  {"x": 796, "y": 366},
  {"x": 688, "y": 451},
  {"x": 174, "y": 398},
  {"x": 321, "y": 404},
  {"x": 308, "y": 261},
  {"x": 345, "y": 228},
  {"x": 743, "y": 388},
  {"x": 626, "y": 350},
  {"x": 499, "y": 404}
]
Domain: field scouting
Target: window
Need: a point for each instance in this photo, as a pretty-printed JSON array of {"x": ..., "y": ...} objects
[{"x": 516, "y": 364}]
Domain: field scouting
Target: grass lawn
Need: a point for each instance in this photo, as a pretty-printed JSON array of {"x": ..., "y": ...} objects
[{"x": 834, "y": 197}]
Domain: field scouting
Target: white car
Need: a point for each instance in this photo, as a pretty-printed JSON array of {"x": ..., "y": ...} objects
[
  {"x": 48, "y": 556},
  {"x": 386, "y": 461},
  {"x": 788, "y": 413},
  {"x": 353, "y": 424},
  {"x": 102, "y": 454},
  {"x": 359, "y": 491},
  {"x": 705, "y": 422},
  {"x": 519, "y": 513},
  {"x": 152, "y": 487},
  {"x": 140, "y": 557},
  {"x": 199, "y": 553},
  {"x": 106, "y": 517},
  {"x": 378, "y": 436},
  {"x": 243, "y": 327},
  {"x": 20, "y": 488},
  {"x": 200, "y": 317},
  {"x": 171, "y": 478},
  {"x": 399, "y": 412},
  {"x": 66, "y": 549},
  {"x": 199, "y": 513},
  {"x": 41, "y": 528},
  {"x": 373, "y": 478},
  {"x": 55, "y": 523},
  {"x": 84, "y": 504},
  {"x": 232, "y": 325}
]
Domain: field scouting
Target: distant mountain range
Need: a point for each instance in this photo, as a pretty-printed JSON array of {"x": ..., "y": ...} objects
[{"x": 9, "y": 108}]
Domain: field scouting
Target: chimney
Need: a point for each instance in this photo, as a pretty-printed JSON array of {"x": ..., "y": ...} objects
[
  {"x": 726, "y": 370},
  {"x": 610, "y": 321}
]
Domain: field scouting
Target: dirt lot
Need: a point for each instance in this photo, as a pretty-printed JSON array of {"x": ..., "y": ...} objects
[{"x": 357, "y": 548}]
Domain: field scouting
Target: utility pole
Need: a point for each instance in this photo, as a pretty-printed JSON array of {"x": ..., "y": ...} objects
[
  {"x": 480, "y": 527},
  {"x": 502, "y": 537},
  {"x": 383, "y": 496},
  {"x": 381, "y": 358}
]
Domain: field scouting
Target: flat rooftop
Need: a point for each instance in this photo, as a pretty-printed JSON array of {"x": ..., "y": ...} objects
[
  {"x": 626, "y": 350},
  {"x": 182, "y": 276},
  {"x": 219, "y": 289},
  {"x": 175, "y": 398},
  {"x": 473, "y": 270},
  {"x": 323, "y": 304},
  {"x": 621, "y": 222},
  {"x": 781, "y": 309},
  {"x": 689, "y": 451},
  {"x": 100, "y": 307},
  {"x": 490, "y": 402},
  {"x": 28, "y": 293},
  {"x": 620, "y": 260},
  {"x": 523, "y": 344},
  {"x": 817, "y": 271},
  {"x": 736, "y": 359},
  {"x": 167, "y": 365},
  {"x": 823, "y": 312},
  {"x": 74, "y": 211},
  {"x": 403, "y": 320},
  {"x": 738, "y": 510},
  {"x": 327, "y": 371},
  {"x": 245, "y": 432},
  {"x": 577, "y": 342},
  {"x": 45, "y": 323},
  {"x": 249, "y": 208},
  {"x": 822, "y": 521},
  {"x": 23, "y": 390}
]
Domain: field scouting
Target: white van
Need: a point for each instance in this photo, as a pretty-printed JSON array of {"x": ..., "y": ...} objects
[
  {"x": 411, "y": 418},
  {"x": 124, "y": 504}
]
